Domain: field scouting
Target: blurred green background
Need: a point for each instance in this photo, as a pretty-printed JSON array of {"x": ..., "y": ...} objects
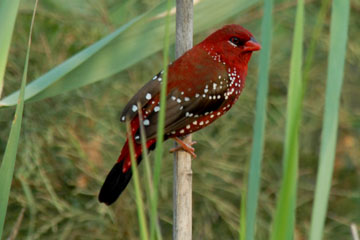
[{"x": 70, "y": 142}]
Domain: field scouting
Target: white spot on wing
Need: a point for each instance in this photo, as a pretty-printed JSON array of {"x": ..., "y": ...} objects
[
  {"x": 134, "y": 108},
  {"x": 146, "y": 122}
]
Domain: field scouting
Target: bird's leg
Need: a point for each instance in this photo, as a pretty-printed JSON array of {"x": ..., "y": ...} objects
[{"x": 184, "y": 146}]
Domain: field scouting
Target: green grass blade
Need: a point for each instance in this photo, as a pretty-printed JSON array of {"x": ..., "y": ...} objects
[
  {"x": 145, "y": 155},
  {"x": 338, "y": 41},
  {"x": 160, "y": 128},
  {"x": 284, "y": 221},
  {"x": 260, "y": 119},
  {"x": 8, "y": 12},
  {"x": 131, "y": 43},
  {"x": 154, "y": 223},
  {"x": 50, "y": 83},
  {"x": 8, "y": 162},
  {"x": 144, "y": 235},
  {"x": 243, "y": 215},
  {"x": 315, "y": 39}
]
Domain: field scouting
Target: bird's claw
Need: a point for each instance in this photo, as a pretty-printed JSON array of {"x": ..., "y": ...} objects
[{"x": 187, "y": 147}]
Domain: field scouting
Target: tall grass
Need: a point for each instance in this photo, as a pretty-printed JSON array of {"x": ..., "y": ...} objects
[
  {"x": 260, "y": 119},
  {"x": 8, "y": 12},
  {"x": 337, "y": 52},
  {"x": 8, "y": 162},
  {"x": 284, "y": 220},
  {"x": 161, "y": 124},
  {"x": 285, "y": 213},
  {"x": 154, "y": 224},
  {"x": 144, "y": 235}
]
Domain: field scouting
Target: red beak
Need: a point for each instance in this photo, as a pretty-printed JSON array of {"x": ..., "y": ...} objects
[{"x": 252, "y": 45}]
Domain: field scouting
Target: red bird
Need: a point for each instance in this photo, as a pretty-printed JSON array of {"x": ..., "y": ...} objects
[{"x": 203, "y": 84}]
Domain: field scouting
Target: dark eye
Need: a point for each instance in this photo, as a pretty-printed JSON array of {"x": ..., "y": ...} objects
[{"x": 236, "y": 41}]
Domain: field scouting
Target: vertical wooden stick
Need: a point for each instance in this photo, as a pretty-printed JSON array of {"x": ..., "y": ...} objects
[
  {"x": 182, "y": 195},
  {"x": 354, "y": 231}
]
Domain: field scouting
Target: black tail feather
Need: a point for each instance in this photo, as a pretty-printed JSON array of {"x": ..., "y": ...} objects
[{"x": 115, "y": 182}]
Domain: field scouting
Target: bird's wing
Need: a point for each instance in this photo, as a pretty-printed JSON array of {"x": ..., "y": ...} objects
[
  {"x": 143, "y": 96},
  {"x": 182, "y": 110}
]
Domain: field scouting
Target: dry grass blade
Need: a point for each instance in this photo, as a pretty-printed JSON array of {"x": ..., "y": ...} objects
[{"x": 17, "y": 225}]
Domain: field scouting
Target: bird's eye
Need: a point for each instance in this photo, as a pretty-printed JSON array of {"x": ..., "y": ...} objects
[{"x": 236, "y": 41}]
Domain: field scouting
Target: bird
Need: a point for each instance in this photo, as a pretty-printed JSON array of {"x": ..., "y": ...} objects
[{"x": 203, "y": 84}]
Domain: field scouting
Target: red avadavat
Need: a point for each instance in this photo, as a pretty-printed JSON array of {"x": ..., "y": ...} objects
[{"x": 203, "y": 84}]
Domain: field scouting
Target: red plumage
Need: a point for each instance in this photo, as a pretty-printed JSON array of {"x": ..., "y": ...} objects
[{"x": 202, "y": 85}]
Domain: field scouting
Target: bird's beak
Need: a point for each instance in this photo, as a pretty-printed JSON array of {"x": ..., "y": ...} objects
[{"x": 252, "y": 45}]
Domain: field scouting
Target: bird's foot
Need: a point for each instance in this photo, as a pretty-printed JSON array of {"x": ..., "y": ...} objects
[{"x": 184, "y": 146}]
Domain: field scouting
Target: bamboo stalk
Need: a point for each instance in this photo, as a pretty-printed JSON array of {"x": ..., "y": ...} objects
[{"x": 182, "y": 193}]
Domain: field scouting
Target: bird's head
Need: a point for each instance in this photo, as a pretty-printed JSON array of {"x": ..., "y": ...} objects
[{"x": 233, "y": 43}]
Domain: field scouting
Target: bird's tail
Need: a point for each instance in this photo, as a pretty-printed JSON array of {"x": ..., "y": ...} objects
[{"x": 120, "y": 175}]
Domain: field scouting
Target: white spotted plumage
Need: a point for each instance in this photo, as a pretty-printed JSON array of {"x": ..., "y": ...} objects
[{"x": 134, "y": 108}]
